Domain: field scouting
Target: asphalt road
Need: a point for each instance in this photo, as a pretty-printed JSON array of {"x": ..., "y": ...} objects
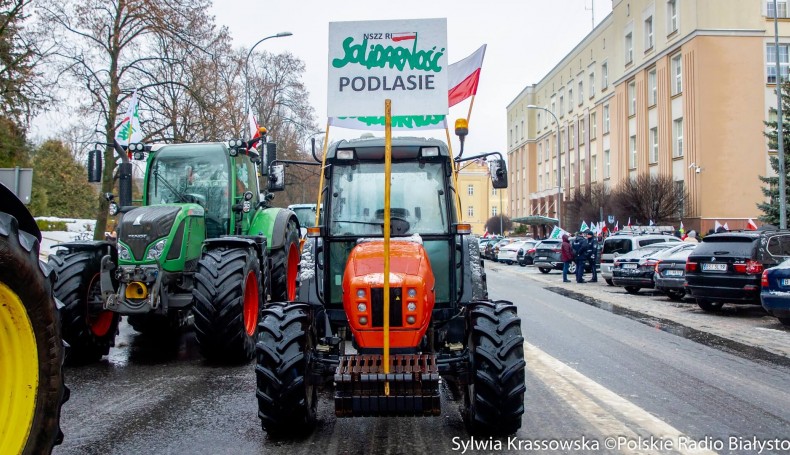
[{"x": 596, "y": 383}]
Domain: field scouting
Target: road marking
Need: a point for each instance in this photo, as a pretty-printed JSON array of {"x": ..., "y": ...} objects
[{"x": 608, "y": 412}]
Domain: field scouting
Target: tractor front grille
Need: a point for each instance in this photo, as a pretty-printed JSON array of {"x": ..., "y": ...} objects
[{"x": 396, "y": 306}]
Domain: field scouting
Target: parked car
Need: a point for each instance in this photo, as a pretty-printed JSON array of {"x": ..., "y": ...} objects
[
  {"x": 670, "y": 274},
  {"x": 619, "y": 244},
  {"x": 634, "y": 270},
  {"x": 481, "y": 243},
  {"x": 547, "y": 257},
  {"x": 493, "y": 252},
  {"x": 728, "y": 267},
  {"x": 509, "y": 253},
  {"x": 775, "y": 291},
  {"x": 488, "y": 253},
  {"x": 526, "y": 254}
]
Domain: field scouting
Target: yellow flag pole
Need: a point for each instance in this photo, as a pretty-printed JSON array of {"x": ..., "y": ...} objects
[
  {"x": 469, "y": 114},
  {"x": 387, "y": 184},
  {"x": 321, "y": 179},
  {"x": 455, "y": 172}
]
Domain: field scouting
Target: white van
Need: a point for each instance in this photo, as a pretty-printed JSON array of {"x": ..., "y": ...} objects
[{"x": 623, "y": 243}]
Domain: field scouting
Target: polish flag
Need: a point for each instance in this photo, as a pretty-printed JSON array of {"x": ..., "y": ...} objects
[
  {"x": 716, "y": 225},
  {"x": 403, "y": 36},
  {"x": 751, "y": 225},
  {"x": 254, "y": 133},
  {"x": 617, "y": 227},
  {"x": 629, "y": 221},
  {"x": 464, "y": 75}
]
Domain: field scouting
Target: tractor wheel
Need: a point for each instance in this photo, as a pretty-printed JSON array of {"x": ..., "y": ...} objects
[
  {"x": 285, "y": 266},
  {"x": 228, "y": 297},
  {"x": 494, "y": 399},
  {"x": 286, "y": 398},
  {"x": 31, "y": 350},
  {"x": 88, "y": 328}
]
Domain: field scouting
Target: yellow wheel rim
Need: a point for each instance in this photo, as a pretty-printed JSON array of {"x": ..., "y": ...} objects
[{"x": 18, "y": 372}]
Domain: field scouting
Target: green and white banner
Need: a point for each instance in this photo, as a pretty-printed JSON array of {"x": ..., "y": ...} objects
[{"x": 401, "y": 122}]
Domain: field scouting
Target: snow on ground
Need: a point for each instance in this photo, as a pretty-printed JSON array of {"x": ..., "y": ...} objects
[{"x": 77, "y": 229}]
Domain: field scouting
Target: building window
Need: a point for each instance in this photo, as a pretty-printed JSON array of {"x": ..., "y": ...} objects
[
  {"x": 493, "y": 210},
  {"x": 593, "y": 125},
  {"x": 540, "y": 153},
  {"x": 629, "y": 48},
  {"x": 781, "y": 5},
  {"x": 606, "y": 164},
  {"x": 470, "y": 190},
  {"x": 605, "y": 119},
  {"x": 581, "y": 92},
  {"x": 562, "y": 105},
  {"x": 632, "y": 152},
  {"x": 604, "y": 76},
  {"x": 581, "y": 131},
  {"x": 784, "y": 65},
  {"x": 677, "y": 74},
  {"x": 677, "y": 137},
  {"x": 653, "y": 145},
  {"x": 582, "y": 172},
  {"x": 593, "y": 168},
  {"x": 680, "y": 195},
  {"x": 570, "y": 99},
  {"x": 652, "y": 87},
  {"x": 516, "y": 135},
  {"x": 572, "y": 136},
  {"x": 631, "y": 98},
  {"x": 522, "y": 129},
  {"x": 553, "y": 105},
  {"x": 470, "y": 211},
  {"x": 540, "y": 124},
  {"x": 648, "y": 33},
  {"x": 573, "y": 174},
  {"x": 540, "y": 183},
  {"x": 511, "y": 136},
  {"x": 672, "y": 16}
]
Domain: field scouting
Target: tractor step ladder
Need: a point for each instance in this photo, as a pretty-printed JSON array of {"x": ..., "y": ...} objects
[{"x": 413, "y": 379}]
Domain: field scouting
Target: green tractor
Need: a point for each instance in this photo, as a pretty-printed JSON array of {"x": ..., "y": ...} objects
[
  {"x": 441, "y": 323},
  {"x": 204, "y": 242},
  {"x": 31, "y": 349}
]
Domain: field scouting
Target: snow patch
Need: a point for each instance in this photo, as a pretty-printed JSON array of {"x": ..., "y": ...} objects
[
  {"x": 377, "y": 279},
  {"x": 414, "y": 238},
  {"x": 307, "y": 264}
]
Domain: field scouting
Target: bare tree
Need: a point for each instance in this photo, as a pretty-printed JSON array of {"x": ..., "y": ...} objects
[
  {"x": 106, "y": 47},
  {"x": 650, "y": 197},
  {"x": 585, "y": 205},
  {"x": 498, "y": 224}
]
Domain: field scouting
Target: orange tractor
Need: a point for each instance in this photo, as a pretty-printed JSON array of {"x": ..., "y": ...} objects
[{"x": 439, "y": 322}]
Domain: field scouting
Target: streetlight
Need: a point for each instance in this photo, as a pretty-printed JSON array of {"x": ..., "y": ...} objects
[
  {"x": 246, "y": 81},
  {"x": 559, "y": 166}
]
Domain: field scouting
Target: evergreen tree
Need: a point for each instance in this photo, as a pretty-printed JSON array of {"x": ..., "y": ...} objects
[
  {"x": 770, "y": 208},
  {"x": 63, "y": 181}
]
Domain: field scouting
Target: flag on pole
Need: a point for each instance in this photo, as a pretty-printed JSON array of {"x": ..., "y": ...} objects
[
  {"x": 584, "y": 226},
  {"x": 681, "y": 230},
  {"x": 716, "y": 225},
  {"x": 254, "y": 133},
  {"x": 129, "y": 131},
  {"x": 464, "y": 75},
  {"x": 557, "y": 233},
  {"x": 652, "y": 223},
  {"x": 751, "y": 225},
  {"x": 629, "y": 222},
  {"x": 726, "y": 227},
  {"x": 617, "y": 227},
  {"x": 485, "y": 234}
]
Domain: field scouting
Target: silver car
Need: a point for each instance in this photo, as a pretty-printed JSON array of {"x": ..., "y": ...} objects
[{"x": 620, "y": 244}]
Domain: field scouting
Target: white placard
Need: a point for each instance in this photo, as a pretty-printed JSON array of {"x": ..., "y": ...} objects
[{"x": 403, "y": 60}]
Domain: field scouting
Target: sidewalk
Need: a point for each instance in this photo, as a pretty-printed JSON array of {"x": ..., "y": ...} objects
[{"x": 743, "y": 329}]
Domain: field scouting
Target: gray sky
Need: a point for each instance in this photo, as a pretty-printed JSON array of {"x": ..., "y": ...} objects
[{"x": 525, "y": 38}]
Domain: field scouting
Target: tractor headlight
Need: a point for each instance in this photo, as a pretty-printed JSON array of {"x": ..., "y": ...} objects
[
  {"x": 411, "y": 306},
  {"x": 412, "y": 293},
  {"x": 362, "y": 307},
  {"x": 360, "y": 293},
  {"x": 123, "y": 252},
  {"x": 155, "y": 251}
]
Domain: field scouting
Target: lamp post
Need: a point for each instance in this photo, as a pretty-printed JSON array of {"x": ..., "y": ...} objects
[
  {"x": 246, "y": 61},
  {"x": 779, "y": 129},
  {"x": 559, "y": 165}
]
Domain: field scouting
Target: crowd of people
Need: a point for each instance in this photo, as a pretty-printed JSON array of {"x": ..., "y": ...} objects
[{"x": 582, "y": 251}]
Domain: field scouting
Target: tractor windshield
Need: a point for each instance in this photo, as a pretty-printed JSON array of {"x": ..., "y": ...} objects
[
  {"x": 195, "y": 174},
  {"x": 417, "y": 202}
]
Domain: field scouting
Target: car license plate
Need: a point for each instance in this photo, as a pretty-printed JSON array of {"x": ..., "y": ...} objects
[
  {"x": 629, "y": 265},
  {"x": 673, "y": 273},
  {"x": 785, "y": 281},
  {"x": 542, "y": 258},
  {"x": 714, "y": 267}
]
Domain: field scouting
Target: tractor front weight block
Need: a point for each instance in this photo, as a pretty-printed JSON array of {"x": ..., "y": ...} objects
[{"x": 413, "y": 381}]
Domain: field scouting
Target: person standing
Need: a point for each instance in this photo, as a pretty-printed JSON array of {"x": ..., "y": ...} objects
[
  {"x": 566, "y": 256},
  {"x": 579, "y": 250},
  {"x": 592, "y": 254},
  {"x": 692, "y": 237}
]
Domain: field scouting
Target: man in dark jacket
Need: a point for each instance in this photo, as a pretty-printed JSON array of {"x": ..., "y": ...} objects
[
  {"x": 579, "y": 250},
  {"x": 592, "y": 253},
  {"x": 566, "y": 256}
]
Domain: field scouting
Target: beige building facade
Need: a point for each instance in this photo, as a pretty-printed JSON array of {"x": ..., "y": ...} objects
[
  {"x": 479, "y": 200},
  {"x": 673, "y": 87}
]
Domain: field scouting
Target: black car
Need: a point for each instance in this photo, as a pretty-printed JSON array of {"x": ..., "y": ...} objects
[
  {"x": 547, "y": 257},
  {"x": 728, "y": 267},
  {"x": 526, "y": 254},
  {"x": 491, "y": 250},
  {"x": 634, "y": 270},
  {"x": 670, "y": 275}
]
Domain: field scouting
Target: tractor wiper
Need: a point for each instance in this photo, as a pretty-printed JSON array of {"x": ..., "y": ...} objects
[
  {"x": 375, "y": 223},
  {"x": 180, "y": 195}
]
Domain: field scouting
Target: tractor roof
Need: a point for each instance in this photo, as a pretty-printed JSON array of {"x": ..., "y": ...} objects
[
  {"x": 373, "y": 148},
  {"x": 218, "y": 146}
]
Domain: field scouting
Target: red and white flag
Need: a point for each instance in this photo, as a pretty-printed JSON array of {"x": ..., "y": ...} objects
[
  {"x": 485, "y": 235},
  {"x": 617, "y": 227},
  {"x": 629, "y": 221},
  {"x": 751, "y": 225},
  {"x": 464, "y": 75},
  {"x": 254, "y": 133}
]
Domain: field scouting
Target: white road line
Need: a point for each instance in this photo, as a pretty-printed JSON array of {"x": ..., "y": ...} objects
[{"x": 611, "y": 414}]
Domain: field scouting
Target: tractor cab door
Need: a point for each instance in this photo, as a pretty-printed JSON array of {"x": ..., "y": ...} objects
[{"x": 245, "y": 178}]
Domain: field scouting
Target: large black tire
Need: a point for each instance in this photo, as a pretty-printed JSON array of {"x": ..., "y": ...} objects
[
  {"x": 494, "y": 400},
  {"x": 286, "y": 398},
  {"x": 88, "y": 329},
  {"x": 479, "y": 279},
  {"x": 227, "y": 306},
  {"x": 24, "y": 277},
  {"x": 285, "y": 265},
  {"x": 708, "y": 306}
]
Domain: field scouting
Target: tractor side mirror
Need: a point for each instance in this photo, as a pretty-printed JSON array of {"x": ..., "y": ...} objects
[
  {"x": 498, "y": 174},
  {"x": 276, "y": 181},
  {"x": 94, "y": 166},
  {"x": 268, "y": 155}
]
